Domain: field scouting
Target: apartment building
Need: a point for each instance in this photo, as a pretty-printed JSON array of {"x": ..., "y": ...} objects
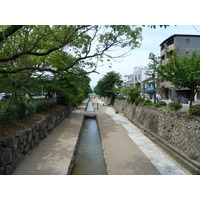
[{"x": 185, "y": 44}]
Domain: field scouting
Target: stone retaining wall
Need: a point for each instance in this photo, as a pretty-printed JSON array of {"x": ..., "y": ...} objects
[
  {"x": 14, "y": 148},
  {"x": 181, "y": 131}
]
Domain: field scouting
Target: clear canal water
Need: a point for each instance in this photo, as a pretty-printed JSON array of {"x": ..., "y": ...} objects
[{"x": 89, "y": 158}]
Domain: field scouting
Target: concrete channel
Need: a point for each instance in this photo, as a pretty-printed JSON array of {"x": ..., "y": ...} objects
[{"x": 88, "y": 158}]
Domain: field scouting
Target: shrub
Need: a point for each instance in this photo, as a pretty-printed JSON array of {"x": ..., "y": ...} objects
[
  {"x": 6, "y": 113},
  {"x": 160, "y": 104},
  {"x": 52, "y": 104},
  {"x": 30, "y": 108},
  {"x": 41, "y": 107},
  {"x": 21, "y": 110},
  {"x": 133, "y": 93},
  {"x": 175, "y": 106},
  {"x": 45, "y": 106},
  {"x": 195, "y": 110},
  {"x": 147, "y": 102},
  {"x": 139, "y": 100}
]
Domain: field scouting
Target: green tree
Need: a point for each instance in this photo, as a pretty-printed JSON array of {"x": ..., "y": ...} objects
[
  {"x": 84, "y": 45},
  {"x": 182, "y": 71},
  {"x": 27, "y": 51},
  {"x": 133, "y": 93},
  {"x": 70, "y": 88},
  {"x": 153, "y": 64},
  {"x": 109, "y": 86}
]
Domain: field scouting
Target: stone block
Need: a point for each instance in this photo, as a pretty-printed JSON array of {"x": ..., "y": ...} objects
[
  {"x": 16, "y": 156},
  {"x": 44, "y": 124},
  {"x": 6, "y": 156},
  {"x": 33, "y": 128},
  {"x": 41, "y": 134},
  {"x": 29, "y": 135},
  {"x": 46, "y": 133},
  {"x": 21, "y": 148},
  {"x": 24, "y": 135},
  {"x": 26, "y": 148},
  {"x": 31, "y": 144},
  {"x": 1, "y": 170},
  {"x": 19, "y": 137},
  {"x": 49, "y": 125},
  {"x": 8, "y": 170},
  {"x": 6, "y": 142},
  {"x": 15, "y": 143},
  {"x": 0, "y": 159},
  {"x": 36, "y": 138},
  {"x": 38, "y": 126}
]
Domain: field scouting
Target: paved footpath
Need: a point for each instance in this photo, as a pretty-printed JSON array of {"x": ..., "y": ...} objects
[
  {"x": 127, "y": 151},
  {"x": 54, "y": 154}
]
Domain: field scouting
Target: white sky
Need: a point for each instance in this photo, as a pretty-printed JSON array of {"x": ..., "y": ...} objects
[{"x": 152, "y": 38}]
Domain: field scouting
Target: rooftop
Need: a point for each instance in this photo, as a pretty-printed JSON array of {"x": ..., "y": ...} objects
[{"x": 176, "y": 35}]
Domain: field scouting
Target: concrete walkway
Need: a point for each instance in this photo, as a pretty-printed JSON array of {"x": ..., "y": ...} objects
[
  {"x": 126, "y": 150},
  {"x": 54, "y": 154}
]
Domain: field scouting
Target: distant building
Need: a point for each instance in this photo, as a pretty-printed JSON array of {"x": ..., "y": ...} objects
[
  {"x": 140, "y": 74},
  {"x": 185, "y": 44},
  {"x": 128, "y": 80}
]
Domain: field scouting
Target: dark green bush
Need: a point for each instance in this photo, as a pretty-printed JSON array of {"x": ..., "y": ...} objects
[
  {"x": 30, "y": 108},
  {"x": 175, "y": 106},
  {"x": 147, "y": 102},
  {"x": 195, "y": 110},
  {"x": 53, "y": 104},
  {"x": 160, "y": 104},
  {"x": 45, "y": 106},
  {"x": 133, "y": 93},
  {"x": 42, "y": 107},
  {"x": 139, "y": 100},
  {"x": 21, "y": 110},
  {"x": 6, "y": 113}
]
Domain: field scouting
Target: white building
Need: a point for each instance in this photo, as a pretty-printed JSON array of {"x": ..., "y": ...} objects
[{"x": 140, "y": 74}]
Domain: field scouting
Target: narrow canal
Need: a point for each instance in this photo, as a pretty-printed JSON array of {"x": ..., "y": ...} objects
[{"x": 89, "y": 159}]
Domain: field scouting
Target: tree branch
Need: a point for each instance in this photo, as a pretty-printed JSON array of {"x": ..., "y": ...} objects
[{"x": 9, "y": 31}]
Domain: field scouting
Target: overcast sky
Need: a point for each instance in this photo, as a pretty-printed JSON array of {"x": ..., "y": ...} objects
[{"x": 152, "y": 38}]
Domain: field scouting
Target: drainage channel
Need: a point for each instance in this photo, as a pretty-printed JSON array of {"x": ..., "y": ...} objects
[{"x": 89, "y": 159}]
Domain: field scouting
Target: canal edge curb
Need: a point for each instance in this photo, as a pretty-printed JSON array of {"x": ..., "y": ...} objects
[
  {"x": 70, "y": 168},
  {"x": 103, "y": 148}
]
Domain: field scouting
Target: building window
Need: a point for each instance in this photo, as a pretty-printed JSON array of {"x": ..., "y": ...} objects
[
  {"x": 187, "y": 41},
  {"x": 135, "y": 78},
  {"x": 163, "y": 57},
  {"x": 187, "y": 52}
]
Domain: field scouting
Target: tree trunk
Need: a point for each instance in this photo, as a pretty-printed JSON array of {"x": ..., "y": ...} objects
[
  {"x": 154, "y": 88},
  {"x": 192, "y": 96},
  {"x": 193, "y": 92},
  {"x": 112, "y": 100}
]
